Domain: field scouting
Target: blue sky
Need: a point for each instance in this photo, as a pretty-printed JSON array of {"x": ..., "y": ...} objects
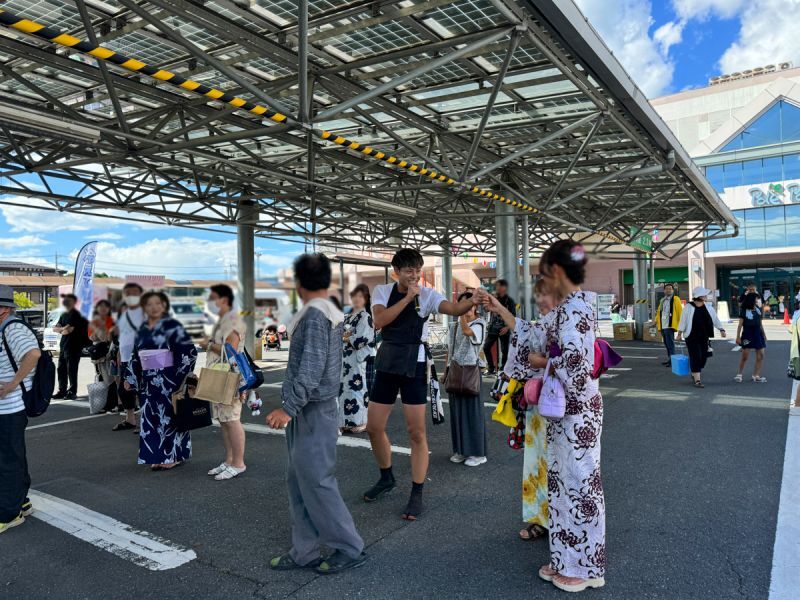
[{"x": 667, "y": 46}]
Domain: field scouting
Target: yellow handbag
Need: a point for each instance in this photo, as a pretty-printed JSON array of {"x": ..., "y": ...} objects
[{"x": 504, "y": 413}]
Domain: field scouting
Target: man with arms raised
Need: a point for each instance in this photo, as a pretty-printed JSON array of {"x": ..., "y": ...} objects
[{"x": 401, "y": 312}]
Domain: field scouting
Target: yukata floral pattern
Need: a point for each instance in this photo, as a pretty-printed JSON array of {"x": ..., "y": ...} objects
[
  {"x": 534, "y": 468},
  {"x": 159, "y": 441},
  {"x": 575, "y": 486},
  {"x": 355, "y": 382}
]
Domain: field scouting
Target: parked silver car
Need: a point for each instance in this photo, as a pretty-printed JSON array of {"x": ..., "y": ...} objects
[{"x": 191, "y": 316}]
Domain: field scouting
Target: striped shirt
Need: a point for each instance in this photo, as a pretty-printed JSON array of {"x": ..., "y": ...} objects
[{"x": 21, "y": 341}]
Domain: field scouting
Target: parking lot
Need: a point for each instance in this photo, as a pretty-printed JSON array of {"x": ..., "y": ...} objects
[{"x": 692, "y": 482}]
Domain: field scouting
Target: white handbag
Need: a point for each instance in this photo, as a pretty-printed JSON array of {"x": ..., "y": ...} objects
[{"x": 98, "y": 396}]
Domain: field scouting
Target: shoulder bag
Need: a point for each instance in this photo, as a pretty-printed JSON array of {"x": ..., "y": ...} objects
[
  {"x": 464, "y": 380},
  {"x": 552, "y": 398}
]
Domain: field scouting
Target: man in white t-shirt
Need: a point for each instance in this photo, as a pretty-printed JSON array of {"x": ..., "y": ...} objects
[
  {"x": 401, "y": 311},
  {"x": 130, "y": 320},
  {"x": 18, "y": 340}
]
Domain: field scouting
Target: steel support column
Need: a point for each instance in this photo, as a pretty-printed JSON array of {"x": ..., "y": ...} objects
[
  {"x": 447, "y": 277},
  {"x": 527, "y": 291},
  {"x": 245, "y": 227},
  {"x": 639, "y": 292},
  {"x": 653, "y": 287},
  {"x": 506, "y": 248}
]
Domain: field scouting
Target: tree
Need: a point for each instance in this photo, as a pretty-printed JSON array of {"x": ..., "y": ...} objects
[
  {"x": 22, "y": 301},
  {"x": 52, "y": 304}
]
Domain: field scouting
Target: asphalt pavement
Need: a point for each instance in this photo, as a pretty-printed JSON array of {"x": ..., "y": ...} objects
[{"x": 692, "y": 480}]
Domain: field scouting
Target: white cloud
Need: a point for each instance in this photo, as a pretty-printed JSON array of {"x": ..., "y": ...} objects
[
  {"x": 104, "y": 236},
  {"x": 181, "y": 257},
  {"x": 625, "y": 26},
  {"x": 703, "y": 9},
  {"x": 768, "y": 35},
  {"x": 23, "y": 217},
  {"x": 23, "y": 241},
  {"x": 668, "y": 35}
]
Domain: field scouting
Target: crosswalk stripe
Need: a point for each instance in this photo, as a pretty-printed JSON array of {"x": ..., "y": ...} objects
[
  {"x": 344, "y": 440},
  {"x": 139, "y": 547}
]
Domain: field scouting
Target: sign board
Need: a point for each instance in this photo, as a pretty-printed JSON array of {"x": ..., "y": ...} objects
[
  {"x": 760, "y": 195},
  {"x": 604, "y": 302},
  {"x": 148, "y": 282},
  {"x": 643, "y": 240}
]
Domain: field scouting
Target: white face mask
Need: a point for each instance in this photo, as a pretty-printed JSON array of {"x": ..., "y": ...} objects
[
  {"x": 132, "y": 301},
  {"x": 213, "y": 308}
]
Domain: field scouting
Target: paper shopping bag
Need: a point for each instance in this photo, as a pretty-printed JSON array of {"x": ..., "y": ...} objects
[{"x": 218, "y": 386}]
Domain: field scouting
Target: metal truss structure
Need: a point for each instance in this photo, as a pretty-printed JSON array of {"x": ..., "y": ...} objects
[{"x": 359, "y": 123}]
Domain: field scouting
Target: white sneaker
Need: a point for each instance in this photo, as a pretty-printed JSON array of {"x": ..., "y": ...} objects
[
  {"x": 458, "y": 458},
  {"x": 474, "y": 461}
]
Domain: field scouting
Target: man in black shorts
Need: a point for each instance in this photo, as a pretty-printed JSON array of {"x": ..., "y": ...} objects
[{"x": 401, "y": 312}]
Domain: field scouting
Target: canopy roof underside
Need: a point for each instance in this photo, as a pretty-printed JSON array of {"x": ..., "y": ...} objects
[{"x": 514, "y": 105}]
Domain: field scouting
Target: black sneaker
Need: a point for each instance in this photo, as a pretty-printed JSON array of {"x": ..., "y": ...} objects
[
  {"x": 60, "y": 395},
  {"x": 27, "y": 507},
  {"x": 338, "y": 562},
  {"x": 667, "y": 363},
  {"x": 286, "y": 563},
  {"x": 71, "y": 396},
  {"x": 381, "y": 488}
]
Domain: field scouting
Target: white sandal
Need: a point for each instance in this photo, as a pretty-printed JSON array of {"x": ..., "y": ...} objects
[
  {"x": 218, "y": 470},
  {"x": 579, "y": 587},
  {"x": 229, "y": 473},
  {"x": 738, "y": 378},
  {"x": 759, "y": 379}
]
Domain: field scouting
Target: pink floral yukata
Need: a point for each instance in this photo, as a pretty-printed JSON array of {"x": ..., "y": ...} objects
[{"x": 575, "y": 487}]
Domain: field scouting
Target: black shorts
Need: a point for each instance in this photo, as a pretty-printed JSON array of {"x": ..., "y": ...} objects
[{"x": 413, "y": 390}]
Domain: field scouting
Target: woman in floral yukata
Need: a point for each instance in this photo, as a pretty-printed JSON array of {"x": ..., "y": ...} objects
[
  {"x": 575, "y": 488},
  {"x": 358, "y": 363},
  {"x": 160, "y": 444}
]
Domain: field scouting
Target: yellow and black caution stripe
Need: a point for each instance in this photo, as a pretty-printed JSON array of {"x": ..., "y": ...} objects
[{"x": 52, "y": 35}]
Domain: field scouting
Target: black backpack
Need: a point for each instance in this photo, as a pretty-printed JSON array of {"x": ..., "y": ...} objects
[{"x": 37, "y": 399}]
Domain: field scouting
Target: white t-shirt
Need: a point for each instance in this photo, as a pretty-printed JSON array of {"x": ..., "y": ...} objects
[
  {"x": 127, "y": 334},
  {"x": 429, "y": 302},
  {"x": 21, "y": 341}
]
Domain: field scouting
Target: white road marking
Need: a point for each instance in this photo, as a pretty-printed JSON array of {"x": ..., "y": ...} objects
[
  {"x": 139, "y": 547},
  {"x": 620, "y": 368},
  {"x": 626, "y": 356},
  {"x": 78, "y": 403},
  {"x": 62, "y": 422},
  {"x": 344, "y": 440},
  {"x": 486, "y": 404},
  {"x": 785, "y": 579},
  {"x": 608, "y": 376},
  {"x": 638, "y": 347}
]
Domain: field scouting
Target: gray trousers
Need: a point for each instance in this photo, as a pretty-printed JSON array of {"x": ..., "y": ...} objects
[{"x": 319, "y": 515}]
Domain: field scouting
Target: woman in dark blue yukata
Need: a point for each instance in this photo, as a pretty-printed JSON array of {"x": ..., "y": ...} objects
[{"x": 160, "y": 444}]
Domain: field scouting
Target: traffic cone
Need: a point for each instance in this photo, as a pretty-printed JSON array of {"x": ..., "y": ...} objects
[{"x": 786, "y": 320}]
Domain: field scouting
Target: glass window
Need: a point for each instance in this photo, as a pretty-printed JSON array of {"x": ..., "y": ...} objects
[
  {"x": 775, "y": 222},
  {"x": 765, "y": 130},
  {"x": 790, "y": 122},
  {"x": 772, "y": 170},
  {"x": 716, "y": 177},
  {"x": 737, "y": 243},
  {"x": 733, "y": 174},
  {"x": 751, "y": 172},
  {"x": 754, "y": 217},
  {"x": 792, "y": 212},
  {"x": 755, "y": 237},
  {"x": 791, "y": 166}
]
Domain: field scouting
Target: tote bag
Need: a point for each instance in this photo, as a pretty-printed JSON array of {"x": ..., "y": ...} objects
[
  {"x": 218, "y": 384},
  {"x": 552, "y": 399}
]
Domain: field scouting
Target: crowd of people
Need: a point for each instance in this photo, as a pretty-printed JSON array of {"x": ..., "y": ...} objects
[{"x": 340, "y": 381}]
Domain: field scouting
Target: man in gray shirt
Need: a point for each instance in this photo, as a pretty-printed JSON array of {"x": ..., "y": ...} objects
[{"x": 310, "y": 417}]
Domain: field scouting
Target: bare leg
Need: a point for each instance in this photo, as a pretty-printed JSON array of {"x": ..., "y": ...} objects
[
  {"x": 759, "y": 362},
  {"x": 743, "y": 359},
  {"x": 227, "y": 443},
  {"x": 415, "y": 421},
  {"x": 377, "y": 417},
  {"x": 236, "y": 439}
]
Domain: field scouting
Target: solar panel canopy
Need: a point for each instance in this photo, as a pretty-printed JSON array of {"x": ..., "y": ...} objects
[{"x": 358, "y": 124}]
